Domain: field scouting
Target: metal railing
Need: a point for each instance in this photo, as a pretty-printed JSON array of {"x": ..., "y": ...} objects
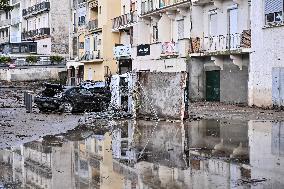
[
  {"x": 221, "y": 42},
  {"x": 5, "y": 22},
  {"x": 123, "y": 21},
  {"x": 148, "y": 6},
  {"x": 93, "y": 55},
  {"x": 40, "y": 7},
  {"x": 93, "y": 24},
  {"x": 35, "y": 33},
  {"x": 4, "y": 40}
]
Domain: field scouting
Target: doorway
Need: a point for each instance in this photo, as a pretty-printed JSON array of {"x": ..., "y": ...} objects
[{"x": 213, "y": 85}]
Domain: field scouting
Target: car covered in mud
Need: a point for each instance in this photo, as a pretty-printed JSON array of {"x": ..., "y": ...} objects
[{"x": 73, "y": 99}]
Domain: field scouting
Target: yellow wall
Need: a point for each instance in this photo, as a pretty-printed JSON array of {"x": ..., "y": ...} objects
[
  {"x": 97, "y": 71},
  {"x": 109, "y": 10}
]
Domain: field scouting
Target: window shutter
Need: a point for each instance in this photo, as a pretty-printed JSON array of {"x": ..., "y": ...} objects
[
  {"x": 180, "y": 29},
  {"x": 272, "y": 6}
]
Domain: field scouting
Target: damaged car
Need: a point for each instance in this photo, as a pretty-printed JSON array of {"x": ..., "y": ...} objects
[{"x": 72, "y": 99}]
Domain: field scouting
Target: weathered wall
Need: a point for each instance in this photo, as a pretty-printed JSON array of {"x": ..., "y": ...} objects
[
  {"x": 163, "y": 92},
  {"x": 196, "y": 79},
  {"x": 267, "y": 48},
  {"x": 60, "y": 16},
  {"x": 233, "y": 84},
  {"x": 30, "y": 74},
  {"x": 162, "y": 65}
]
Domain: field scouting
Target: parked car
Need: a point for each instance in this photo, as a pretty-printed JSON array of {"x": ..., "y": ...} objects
[{"x": 71, "y": 99}]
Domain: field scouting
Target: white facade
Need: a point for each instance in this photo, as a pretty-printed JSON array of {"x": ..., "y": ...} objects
[
  {"x": 267, "y": 54},
  {"x": 16, "y": 22},
  {"x": 166, "y": 28},
  {"x": 219, "y": 50}
]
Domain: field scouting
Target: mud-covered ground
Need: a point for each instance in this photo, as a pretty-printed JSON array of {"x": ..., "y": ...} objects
[
  {"x": 220, "y": 146},
  {"x": 214, "y": 110},
  {"x": 18, "y": 126}
]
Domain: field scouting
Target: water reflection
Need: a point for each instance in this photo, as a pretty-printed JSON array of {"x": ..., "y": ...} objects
[{"x": 201, "y": 154}]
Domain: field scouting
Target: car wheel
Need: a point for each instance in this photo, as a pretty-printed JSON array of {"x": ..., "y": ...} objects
[{"x": 68, "y": 107}]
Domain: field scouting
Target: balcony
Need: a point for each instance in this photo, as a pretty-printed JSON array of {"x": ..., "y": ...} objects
[
  {"x": 237, "y": 43},
  {"x": 151, "y": 6},
  {"x": 36, "y": 34},
  {"x": 169, "y": 49},
  {"x": 92, "y": 25},
  {"x": 93, "y": 56},
  {"x": 93, "y": 4},
  {"x": 4, "y": 40},
  {"x": 122, "y": 52},
  {"x": 36, "y": 9},
  {"x": 4, "y": 23},
  {"x": 124, "y": 21}
]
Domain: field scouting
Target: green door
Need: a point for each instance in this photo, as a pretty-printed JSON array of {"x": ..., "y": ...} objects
[{"x": 213, "y": 85}]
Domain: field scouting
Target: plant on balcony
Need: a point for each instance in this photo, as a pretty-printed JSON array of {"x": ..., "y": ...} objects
[
  {"x": 4, "y": 59},
  {"x": 4, "y": 5},
  {"x": 56, "y": 59},
  {"x": 31, "y": 59}
]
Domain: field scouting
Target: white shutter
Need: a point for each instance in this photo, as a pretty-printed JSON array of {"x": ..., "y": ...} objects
[
  {"x": 180, "y": 29},
  {"x": 272, "y": 6}
]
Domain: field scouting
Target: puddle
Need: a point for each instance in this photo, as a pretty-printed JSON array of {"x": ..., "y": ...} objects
[{"x": 198, "y": 155}]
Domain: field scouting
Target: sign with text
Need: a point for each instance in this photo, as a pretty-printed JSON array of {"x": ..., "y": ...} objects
[
  {"x": 143, "y": 50},
  {"x": 122, "y": 51}
]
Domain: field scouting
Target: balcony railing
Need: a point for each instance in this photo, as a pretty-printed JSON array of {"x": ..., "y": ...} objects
[
  {"x": 38, "y": 8},
  {"x": 93, "y": 3},
  {"x": 169, "y": 49},
  {"x": 38, "y": 33},
  {"x": 93, "y": 24},
  {"x": 5, "y": 22},
  {"x": 123, "y": 21},
  {"x": 148, "y": 6},
  {"x": 221, "y": 43},
  {"x": 93, "y": 55},
  {"x": 4, "y": 40}
]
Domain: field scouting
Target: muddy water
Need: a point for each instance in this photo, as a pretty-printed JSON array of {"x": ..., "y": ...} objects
[{"x": 131, "y": 155}]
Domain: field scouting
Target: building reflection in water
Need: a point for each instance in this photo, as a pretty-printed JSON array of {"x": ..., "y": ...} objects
[{"x": 200, "y": 154}]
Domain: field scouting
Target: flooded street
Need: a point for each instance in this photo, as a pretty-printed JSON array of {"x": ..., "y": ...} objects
[{"x": 145, "y": 154}]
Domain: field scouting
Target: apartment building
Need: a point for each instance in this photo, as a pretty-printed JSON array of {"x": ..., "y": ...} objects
[
  {"x": 124, "y": 26},
  {"x": 47, "y": 23},
  {"x": 161, "y": 36},
  {"x": 267, "y": 67},
  {"x": 219, "y": 53},
  {"x": 96, "y": 51},
  {"x": 5, "y": 19}
]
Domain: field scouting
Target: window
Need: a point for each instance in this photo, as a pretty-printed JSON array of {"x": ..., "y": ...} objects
[
  {"x": 180, "y": 29},
  {"x": 155, "y": 33},
  {"x": 273, "y": 11},
  {"x": 100, "y": 10},
  {"x": 95, "y": 43},
  {"x": 213, "y": 24}
]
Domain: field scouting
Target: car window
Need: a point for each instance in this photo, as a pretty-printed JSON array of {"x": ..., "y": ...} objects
[{"x": 84, "y": 92}]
